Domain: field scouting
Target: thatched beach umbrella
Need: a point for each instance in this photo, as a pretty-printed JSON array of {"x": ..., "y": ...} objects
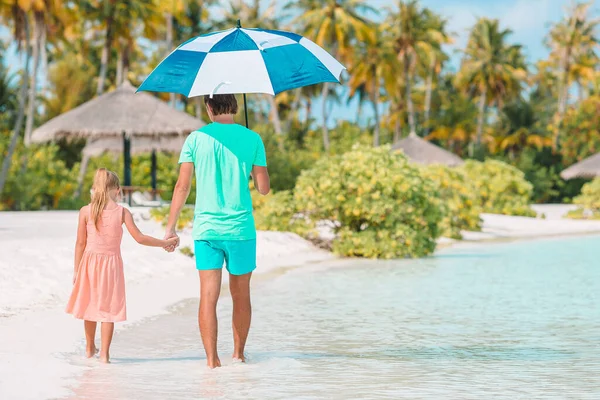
[
  {"x": 119, "y": 115},
  {"x": 586, "y": 168},
  {"x": 423, "y": 152}
]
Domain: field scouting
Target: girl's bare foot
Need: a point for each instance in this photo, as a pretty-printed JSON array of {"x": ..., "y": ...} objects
[
  {"x": 91, "y": 351},
  {"x": 215, "y": 363}
]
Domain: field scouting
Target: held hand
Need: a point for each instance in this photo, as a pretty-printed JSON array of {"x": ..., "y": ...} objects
[{"x": 173, "y": 241}]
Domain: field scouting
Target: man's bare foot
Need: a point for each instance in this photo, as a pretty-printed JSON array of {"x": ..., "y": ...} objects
[
  {"x": 212, "y": 364},
  {"x": 239, "y": 358},
  {"x": 91, "y": 351},
  {"x": 104, "y": 358}
]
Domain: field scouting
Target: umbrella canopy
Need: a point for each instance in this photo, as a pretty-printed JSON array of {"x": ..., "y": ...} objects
[
  {"x": 116, "y": 113},
  {"x": 242, "y": 60},
  {"x": 421, "y": 151},
  {"x": 587, "y": 168}
]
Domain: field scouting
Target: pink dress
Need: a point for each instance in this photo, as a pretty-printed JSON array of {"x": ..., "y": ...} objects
[{"x": 99, "y": 290}]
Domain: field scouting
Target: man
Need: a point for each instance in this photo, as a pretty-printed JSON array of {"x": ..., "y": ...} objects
[{"x": 223, "y": 155}]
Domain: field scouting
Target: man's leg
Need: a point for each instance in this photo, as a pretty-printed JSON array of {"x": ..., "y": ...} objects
[
  {"x": 239, "y": 285},
  {"x": 210, "y": 288}
]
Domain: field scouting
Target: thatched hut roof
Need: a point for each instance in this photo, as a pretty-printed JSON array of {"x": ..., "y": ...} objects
[
  {"x": 117, "y": 112},
  {"x": 423, "y": 152},
  {"x": 587, "y": 168}
]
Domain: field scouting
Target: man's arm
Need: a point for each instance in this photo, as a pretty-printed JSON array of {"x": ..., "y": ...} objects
[
  {"x": 180, "y": 195},
  {"x": 260, "y": 176}
]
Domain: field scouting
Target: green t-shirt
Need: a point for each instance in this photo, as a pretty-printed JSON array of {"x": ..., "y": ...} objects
[{"x": 223, "y": 156}]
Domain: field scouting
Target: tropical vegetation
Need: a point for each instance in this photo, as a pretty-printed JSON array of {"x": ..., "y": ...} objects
[{"x": 518, "y": 121}]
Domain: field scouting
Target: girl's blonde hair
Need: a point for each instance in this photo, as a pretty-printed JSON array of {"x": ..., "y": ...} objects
[{"x": 104, "y": 182}]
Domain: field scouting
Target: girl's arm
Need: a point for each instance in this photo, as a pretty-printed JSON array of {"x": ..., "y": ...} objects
[
  {"x": 81, "y": 239},
  {"x": 140, "y": 237}
]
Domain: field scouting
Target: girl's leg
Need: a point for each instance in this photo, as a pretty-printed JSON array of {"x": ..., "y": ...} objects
[
  {"x": 107, "y": 333},
  {"x": 90, "y": 337}
]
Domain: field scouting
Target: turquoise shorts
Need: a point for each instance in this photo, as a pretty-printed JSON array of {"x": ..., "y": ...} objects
[{"x": 238, "y": 255}]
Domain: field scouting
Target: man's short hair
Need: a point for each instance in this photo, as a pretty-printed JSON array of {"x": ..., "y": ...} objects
[{"x": 222, "y": 104}]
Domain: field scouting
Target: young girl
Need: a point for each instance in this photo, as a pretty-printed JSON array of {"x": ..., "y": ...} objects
[{"x": 98, "y": 283}]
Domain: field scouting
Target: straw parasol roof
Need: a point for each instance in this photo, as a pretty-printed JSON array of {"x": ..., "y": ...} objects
[
  {"x": 423, "y": 152},
  {"x": 139, "y": 145},
  {"x": 587, "y": 168},
  {"x": 115, "y": 113}
]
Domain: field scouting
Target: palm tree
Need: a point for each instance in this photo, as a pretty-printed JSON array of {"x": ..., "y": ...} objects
[
  {"x": 172, "y": 9},
  {"x": 18, "y": 18},
  {"x": 336, "y": 25},
  {"x": 133, "y": 19},
  {"x": 491, "y": 69},
  {"x": 374, "y": 64},
  {"x": 454, "y": 116},
  {"x": 571, "y": 40},
  {"x": 120, "y": 21},
  {"x": 44, "y": 13},
  {"x": 414, "y": 38},
  {"x": 103, "y": 12},
  {"x": 433, "y": 61},
  {"x": 191, "y": 18},
  {"x": 518, "y": 127}
]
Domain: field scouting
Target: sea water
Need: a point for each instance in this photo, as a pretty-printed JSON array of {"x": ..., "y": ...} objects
[{"x": 511, "y": 320}]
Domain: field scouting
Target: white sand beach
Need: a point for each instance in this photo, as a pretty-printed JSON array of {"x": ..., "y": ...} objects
[
  {"x": 36, "y": 267},
  {"x": 36, "y": 336}
]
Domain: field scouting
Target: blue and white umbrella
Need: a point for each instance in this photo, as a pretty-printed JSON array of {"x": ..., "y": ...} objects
[{"x": 241, "y": 60}]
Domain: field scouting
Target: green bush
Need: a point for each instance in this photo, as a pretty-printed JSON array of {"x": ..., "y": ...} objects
[
  {"x": 588, "y": 201},
  {"x": 161, "y": 214},
  {"x": 457, "y": 197},
  {"x": 38, "y": 179},
  {"x": 501, "y": 188},
  {"x": 380, "y": 203},
  {"x": 278, "y": 213},
  {"x": 285, "y": 165}
]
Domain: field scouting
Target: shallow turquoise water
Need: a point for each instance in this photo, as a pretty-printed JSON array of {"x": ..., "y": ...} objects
[{"x": 511, "y": 320}]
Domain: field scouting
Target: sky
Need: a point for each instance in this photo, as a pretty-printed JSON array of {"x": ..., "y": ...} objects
[{"x": 528, "y": 19}]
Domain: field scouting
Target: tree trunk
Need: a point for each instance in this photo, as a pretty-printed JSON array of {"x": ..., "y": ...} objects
[
  {"x": 325, "y": 130},
  {"x": 168, "y": 45},
  {"x": 563, "y": 96},
  {"x": 397, "y": 128},
  {"x": 375, "y": 97},
  {"x": 428, "y": 92},
  {"x": 359, "y": 111},
  {"x": 481, "y": 118},
  {"x": 275, "y": 114},
  {"x": 198, "y": 107},
  {"x": 308, "y": 115},
  {"x": 108, "y": 38},
  {"x": 119, "y": 78},
  {"x": 85, "y": 161},
  {"x": 294, "y": 110},
  {"x": 409, "y": 102},
  {"x": 276, "y": 120},
  {"x": 14, "y": 138},
  {"x": 38, "y": 26}
]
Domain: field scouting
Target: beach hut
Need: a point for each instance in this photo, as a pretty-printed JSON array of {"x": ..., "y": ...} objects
[
  {"x": 588, "y": 168},
  {"x": 421, "y": 151},
  {"x": 115, "y": 120}
]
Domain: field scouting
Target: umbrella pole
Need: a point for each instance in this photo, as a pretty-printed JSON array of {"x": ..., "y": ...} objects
[
  {"x": 127, "y": 165},
  {"x": 153, "y": 173},
  {"x": 246, "y": 110}
]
